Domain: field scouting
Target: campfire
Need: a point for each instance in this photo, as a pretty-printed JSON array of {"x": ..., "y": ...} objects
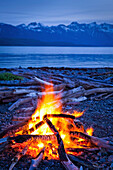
[
  {"x": 50, "y": 108},
  {"x": 51, "y": 133}
]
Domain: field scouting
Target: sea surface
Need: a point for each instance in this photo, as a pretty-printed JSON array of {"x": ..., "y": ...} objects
[{"x": 74, "y": 57}]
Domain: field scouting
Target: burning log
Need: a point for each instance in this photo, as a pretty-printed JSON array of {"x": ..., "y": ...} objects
[
  {"x": 94, "y": 140},
  {"x": 17, "y": 157},
  {"x": 62, "y": 154},
  {"x": 13, "y": 128},
  {"x": 32, "y": 129},
  {"x": 23, "y": 138},
  {"x": 37, "y": 160},
  {"x": 62, "y": 115},
  {"x": 59, "y": 116}
]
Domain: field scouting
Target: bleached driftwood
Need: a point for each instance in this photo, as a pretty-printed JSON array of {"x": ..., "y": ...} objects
[
  {"x": 22, "y": 91},
  {"x": 73, "y": 92},
  {"x": 69, "y": 83},
  {"x": 79, "y": 99},
  {"x": 99, "y": 90},
  {"x": 19, "y": 102},
  {"x": 42, "y": 81},
  {"x": 101, "y": 82},
  {"x": 28, "y": 109},
  {"x": 6, "y": 92},
  {"x": 49, "y": 92}
]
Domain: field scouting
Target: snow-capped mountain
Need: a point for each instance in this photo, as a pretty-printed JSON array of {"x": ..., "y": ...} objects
[{"x": 74, "y": 34}]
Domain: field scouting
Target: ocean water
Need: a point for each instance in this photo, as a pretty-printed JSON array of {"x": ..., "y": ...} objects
[{"x": 74, "y": 57}]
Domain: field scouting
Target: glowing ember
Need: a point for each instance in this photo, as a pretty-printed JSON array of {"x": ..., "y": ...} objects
[
  {"x": 51, "y": 104},
  {"x": 90, "y": 131}
]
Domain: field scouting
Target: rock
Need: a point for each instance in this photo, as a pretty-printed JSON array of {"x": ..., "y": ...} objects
[
  {"x": 111, "y": 166},
  {"x": 110, "y": 158}
]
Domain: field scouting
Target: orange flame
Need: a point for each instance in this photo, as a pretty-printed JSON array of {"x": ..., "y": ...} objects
[
  {"x": 89, "y": 131},
  {"x": 51, "y": 104}
]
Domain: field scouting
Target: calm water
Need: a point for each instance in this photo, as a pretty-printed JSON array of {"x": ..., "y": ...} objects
[{"x": 11, "y": 57}]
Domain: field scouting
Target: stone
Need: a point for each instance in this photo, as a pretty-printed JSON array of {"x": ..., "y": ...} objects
[{"x": 110, "y": 158}]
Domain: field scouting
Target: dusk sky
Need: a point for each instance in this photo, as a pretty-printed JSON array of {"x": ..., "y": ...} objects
[{"x": 53, "y": 12}]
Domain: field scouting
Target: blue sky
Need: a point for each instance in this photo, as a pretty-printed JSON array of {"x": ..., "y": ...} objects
[{"x": 53, "y": 12}]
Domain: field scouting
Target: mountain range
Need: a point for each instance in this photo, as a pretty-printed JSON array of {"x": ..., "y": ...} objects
[{"x": 74, "y": 34}]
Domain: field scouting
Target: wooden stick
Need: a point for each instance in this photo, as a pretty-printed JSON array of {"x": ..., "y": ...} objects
[
  {"x": 95, "y": 80},
  {"x": 22, "y": 91},
  {"x": 109, "y": 95},
  {"x": 79, "y": 161},
  {"x": 94, "y": 140},
  {"x": 83, "y": 149},
  {"x": 20, "y": 118},
  {"x": 17, "y": 157},
  {"x": 49, "y": 93},
  {"x": 73, "y": 92},
  {"x": 13, "y": 128},
  {"x": 60, "y": 115},
  {"x": 62, "y": 154},
  {"x": 98, "y": 90},
  {"x": 37, "y": 160},
  {"x": 69, "y": 83},
  {"x": 28, "y": 109},
  {"x": 19, "y": 102},
  {"x": 35, "y": 127},
  {"x": 42, "y": 81},
  {"x": 23, "y": 138}
]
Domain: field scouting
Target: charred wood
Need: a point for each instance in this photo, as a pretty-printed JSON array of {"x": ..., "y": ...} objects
[
  {"x": 37, "y": 160},
  {"x": 94, "y": 140}
]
